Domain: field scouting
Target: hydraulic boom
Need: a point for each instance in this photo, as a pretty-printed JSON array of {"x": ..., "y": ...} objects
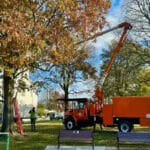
[{"x": 126, "y": 26}]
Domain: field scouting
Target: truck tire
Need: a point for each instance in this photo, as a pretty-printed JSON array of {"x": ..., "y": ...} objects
[
  {"x": 69, "y": 124},
  {"x": 125, "y": 126}
]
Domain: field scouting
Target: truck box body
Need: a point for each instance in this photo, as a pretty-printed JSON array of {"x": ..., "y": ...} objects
[
  {"x": 128, "y": 107},
  {"x": 131, "y": 106},
  {"x": 107, "y": 114}
]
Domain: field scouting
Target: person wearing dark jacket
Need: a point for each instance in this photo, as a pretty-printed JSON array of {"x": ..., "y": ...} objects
[{"x": 33, "y": 119}]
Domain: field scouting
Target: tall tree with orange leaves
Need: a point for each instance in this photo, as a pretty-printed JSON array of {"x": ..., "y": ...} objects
[
  {"x": 20, "y": 44},
  {"x": 31, "y": 29}
]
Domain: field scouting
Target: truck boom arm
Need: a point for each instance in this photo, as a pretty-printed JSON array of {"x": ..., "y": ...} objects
[{"x": 126, "y": 26}]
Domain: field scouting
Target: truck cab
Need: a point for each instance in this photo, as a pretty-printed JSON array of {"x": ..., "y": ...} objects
[{"x": 76, "y": 113}]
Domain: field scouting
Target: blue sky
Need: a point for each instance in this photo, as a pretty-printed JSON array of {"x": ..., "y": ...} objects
[{"x": 115, "y": 3}]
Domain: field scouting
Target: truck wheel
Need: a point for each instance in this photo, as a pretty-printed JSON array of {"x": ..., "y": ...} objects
[
  {"x": 69, "y": 124},
  {"x": 124, "y": 126}
]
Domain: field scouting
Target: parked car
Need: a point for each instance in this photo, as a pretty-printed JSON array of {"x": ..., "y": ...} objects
[
  {"x": 59, "y": 116},
  {"x": 56, "y": 116}
]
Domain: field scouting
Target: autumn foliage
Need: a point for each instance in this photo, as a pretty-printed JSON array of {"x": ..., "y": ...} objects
[
  {"x": 28, "y": 26},
  {"x": 34, "y": 31}
]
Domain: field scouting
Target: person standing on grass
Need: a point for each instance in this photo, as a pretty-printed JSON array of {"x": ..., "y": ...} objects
[{"x": 33, "y": 119}]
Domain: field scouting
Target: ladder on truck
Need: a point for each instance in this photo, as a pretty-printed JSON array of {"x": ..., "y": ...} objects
[{"x": 17, "y": 115}]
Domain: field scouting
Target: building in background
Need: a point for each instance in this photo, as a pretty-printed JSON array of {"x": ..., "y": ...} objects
[{"x": 26, "y": 98}]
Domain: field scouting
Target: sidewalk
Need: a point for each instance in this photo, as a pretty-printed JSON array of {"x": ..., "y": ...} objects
[{"x": 80, "y": 148}]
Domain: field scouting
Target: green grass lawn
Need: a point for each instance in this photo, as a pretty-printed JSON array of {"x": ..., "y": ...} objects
[{"x": 47, "y": 133}]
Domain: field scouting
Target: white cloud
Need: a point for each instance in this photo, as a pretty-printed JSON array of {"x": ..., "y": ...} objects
[{"x": 104, "y": 41}]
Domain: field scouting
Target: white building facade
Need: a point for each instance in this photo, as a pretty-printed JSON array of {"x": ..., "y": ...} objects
[{"x": 26, "y": 98}]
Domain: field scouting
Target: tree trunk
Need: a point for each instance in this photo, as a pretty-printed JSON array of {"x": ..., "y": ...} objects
[
  {"x": 8, "y": 104},
  {"x": 66, "y": 97}
]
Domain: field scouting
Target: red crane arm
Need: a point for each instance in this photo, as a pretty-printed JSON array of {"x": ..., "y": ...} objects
[{"x": 126, "y": 26}]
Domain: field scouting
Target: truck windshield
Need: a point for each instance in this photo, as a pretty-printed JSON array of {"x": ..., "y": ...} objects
[{"x": 75, "y": 105}]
